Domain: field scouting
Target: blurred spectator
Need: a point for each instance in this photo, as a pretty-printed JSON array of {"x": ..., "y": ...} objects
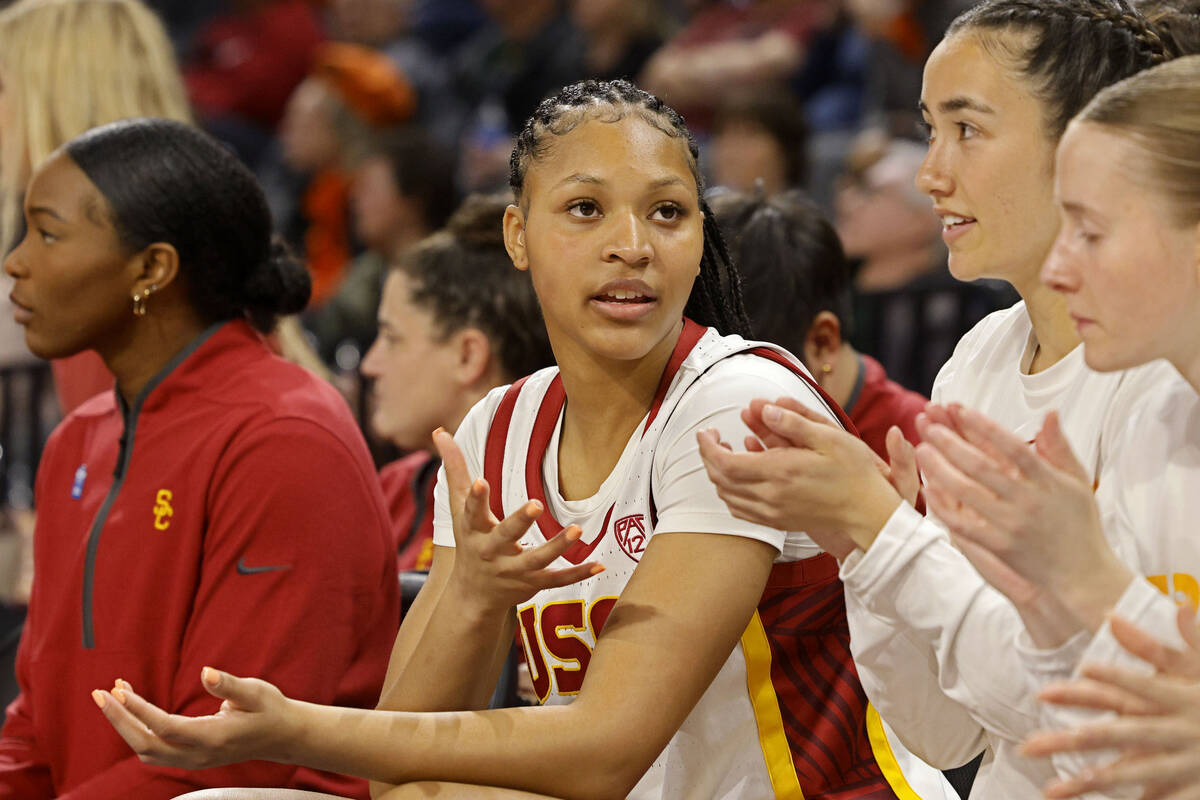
[
  {"x": 885, "y": 222},
  {"x": 244, "y": 64},
  {"x": 352, "y": 95},
  {"x": 402, "y": 191},
  {"x": 759, "y": 136},
  {"x": 900, "y": 35},
  {"x": 797, "y": 293},
  {"x": 731, "y": 48},
  {"x": 909, "y": 311},
  {"x": 619, "y": 35},
  {"x": 457, "y": 320},
  {"x": 528, "y": 50},
  {"x": 387, "y": 26}
]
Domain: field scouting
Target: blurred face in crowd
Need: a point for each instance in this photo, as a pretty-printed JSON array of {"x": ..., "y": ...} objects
[
  {"x": 990, "y": 165},
  {"x": 1128, "y": 267},
  {"x": 72, "y": 277},
  {"x": 741, "y": 154},
  {"x": 306, "y": 133},
  {"x": 880, "y": 213},
  {"x": 379, "y": 209},
  {"x": 413, "y": 370}
]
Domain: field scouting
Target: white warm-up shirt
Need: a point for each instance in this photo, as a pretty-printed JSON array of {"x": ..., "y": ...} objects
[{"x": 942, "y": 655}]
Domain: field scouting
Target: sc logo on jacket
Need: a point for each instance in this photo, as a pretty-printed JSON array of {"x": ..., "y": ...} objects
[{"x": 162, "y": 509}]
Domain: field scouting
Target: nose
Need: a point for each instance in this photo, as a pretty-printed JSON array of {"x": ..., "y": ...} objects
[
  {"x": 1059, "y": 270},
  {"x": 13, "y": 264},
  {"x": 933, "y": 176},
  {"x": 629, "y": 240},
  {"x": 370, "y": 363}
]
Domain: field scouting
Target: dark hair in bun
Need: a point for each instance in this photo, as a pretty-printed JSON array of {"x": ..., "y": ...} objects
[{"x": 166, "y": 181}]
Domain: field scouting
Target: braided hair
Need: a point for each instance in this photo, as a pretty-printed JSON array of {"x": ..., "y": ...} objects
[
  {"x": 716, "y": 298},
  {"x": 1076, "y": 47}
]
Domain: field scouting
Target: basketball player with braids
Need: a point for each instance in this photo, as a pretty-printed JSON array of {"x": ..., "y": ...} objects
[
  {"x": 678, "y": 651},
  {"x": 997, "y": 95}
]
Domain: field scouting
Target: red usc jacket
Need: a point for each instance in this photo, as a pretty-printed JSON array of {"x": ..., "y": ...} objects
[{"x": 231, "y": 517}]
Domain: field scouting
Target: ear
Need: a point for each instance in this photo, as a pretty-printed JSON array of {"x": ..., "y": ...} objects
[
  {"x": 514, "y": 237},
  {"x": 823, "y": 341},
  {"x": 157, "y": 268},
  {"x": 474, "y": 356}
]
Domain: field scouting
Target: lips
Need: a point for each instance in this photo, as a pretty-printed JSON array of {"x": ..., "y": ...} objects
[
  {"x": 624, "y": 299},
  {"x": 21, "y": 312}
]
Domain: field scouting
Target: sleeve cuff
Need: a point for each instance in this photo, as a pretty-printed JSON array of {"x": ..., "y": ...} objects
[{"x": 902, "y": 537}]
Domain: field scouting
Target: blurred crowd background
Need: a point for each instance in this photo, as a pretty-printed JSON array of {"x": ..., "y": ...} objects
[{"x": 367, "y": 121}]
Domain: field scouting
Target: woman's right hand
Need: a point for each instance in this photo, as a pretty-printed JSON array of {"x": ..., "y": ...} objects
[{"x": 491, "y": 568}]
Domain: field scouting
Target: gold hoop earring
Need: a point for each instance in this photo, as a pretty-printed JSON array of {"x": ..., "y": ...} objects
[
  {"x": 826, "y": 371},
  {"x": 139, "y": 304}
]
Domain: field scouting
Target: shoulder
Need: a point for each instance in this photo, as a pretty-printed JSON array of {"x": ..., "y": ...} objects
[{"x": 997, "y": 339}]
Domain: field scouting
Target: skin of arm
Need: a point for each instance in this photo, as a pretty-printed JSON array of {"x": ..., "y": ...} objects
[
  {"x": 656, "y": 634},
  {"x": 1157, "y": 730}
]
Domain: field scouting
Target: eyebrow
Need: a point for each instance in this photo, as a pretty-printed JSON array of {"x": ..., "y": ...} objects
[
  {"x": 958, "y": 103},
  {"x": 50, "y": 212},
  {"x": 1080, "y": 210},
  {"x": 580, "y": 177}
]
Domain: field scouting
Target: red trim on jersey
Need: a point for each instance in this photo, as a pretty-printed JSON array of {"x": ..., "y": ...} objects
[
  {"x": 782, "y": 360},
  {"x": 691, "y": 334},
  {"x": 493, "y": 451}
]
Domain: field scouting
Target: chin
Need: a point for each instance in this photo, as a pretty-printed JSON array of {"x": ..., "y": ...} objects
[{"x": 1104, "y": 359}]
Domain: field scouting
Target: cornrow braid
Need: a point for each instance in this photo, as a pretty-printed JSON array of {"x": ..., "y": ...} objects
[
  {"x": 1078, "y": 46},
  {"x": 716, "y": 298}
]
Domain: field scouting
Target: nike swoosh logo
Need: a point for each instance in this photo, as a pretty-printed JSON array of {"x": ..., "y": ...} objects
[{"x": 242, "y": 569}]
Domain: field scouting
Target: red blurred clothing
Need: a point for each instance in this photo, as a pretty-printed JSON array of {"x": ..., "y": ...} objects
[
  {"x": 247, "y": 64},
  {"x": 230, "y": 518},
  {"x": 79, "y": 378},
  {"x": 881, "y": 403},
  {"x": 408, "y": 489}
]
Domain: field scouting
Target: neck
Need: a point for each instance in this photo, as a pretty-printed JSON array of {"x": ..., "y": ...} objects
[
  {"x": 840, "y": 381},
  {"x": 152, "y": 341},
  {"x": 1052, "y": 326},
  {"x": 891, "y": 269},
  {"x": 606, "y": 400}
]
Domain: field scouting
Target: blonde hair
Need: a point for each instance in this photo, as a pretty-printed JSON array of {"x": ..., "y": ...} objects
[
  {"x": 1159, "y": 111},
  {"x": 70, "y": 65}
]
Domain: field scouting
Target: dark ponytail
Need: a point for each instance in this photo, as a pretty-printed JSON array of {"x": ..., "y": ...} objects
[
  {"x": 165, "y": 181},
  {"x": 716, "y": 298}
]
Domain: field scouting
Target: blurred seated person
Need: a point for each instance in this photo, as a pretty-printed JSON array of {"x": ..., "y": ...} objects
[
  {"x": 244, "y": 63},
  {"x": 759, "y": 137},
  {"x": 796, "y": 284},
  {"x": 456, "y": 321},
  {"x": 352, "y": 95},
  {"x": 733, "y": 47},
  {"x": 402, "y": 191},
  {"x": 619, "y": 36},
  {"x": 909, "y": 311}
]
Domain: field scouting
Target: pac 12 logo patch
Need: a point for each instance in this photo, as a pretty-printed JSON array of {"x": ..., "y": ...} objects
[{"x": 631, "y": 535}]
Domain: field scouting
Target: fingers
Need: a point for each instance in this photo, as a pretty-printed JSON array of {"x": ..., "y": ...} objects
[
  {"x": 1176, "y": 769},
  {"x": 902, "y": 460},
  {"x": 1150, "y": 649},
  {"x": 752, "y": 417},
  {"x": 800, "y": 426},
  {"x": 458, "y": 479},
  {"x": 1160, "y": 691},
  {"x": 968, "y": 459},
  {"x": 727, "y": 468},
  {"x": 1095, "y": 694},
  {"x": 1052, "y": 445},
  {"x": 998, "y": 442},
  {"x": 951, "y": 495},
  {"x": 1186, "y": 620},
  {"x": 476, "y": 507}
]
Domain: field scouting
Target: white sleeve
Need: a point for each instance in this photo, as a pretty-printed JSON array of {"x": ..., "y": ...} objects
[
  {"x": 955, "y": 623},
  {"x": 685, "y": 500},
  {"x": 1149, "y": 609},
  {"x": 900, "y": 678},
  {"x": 471, "y": 438}
]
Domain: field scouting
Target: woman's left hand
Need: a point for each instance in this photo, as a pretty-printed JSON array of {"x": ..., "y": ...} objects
[
  {"x": 1157, "y": 732},
  {"x": 812, "y": 477},
  {"x": 255, "y": 721},
  {"x": 1031, "y": 509}
]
